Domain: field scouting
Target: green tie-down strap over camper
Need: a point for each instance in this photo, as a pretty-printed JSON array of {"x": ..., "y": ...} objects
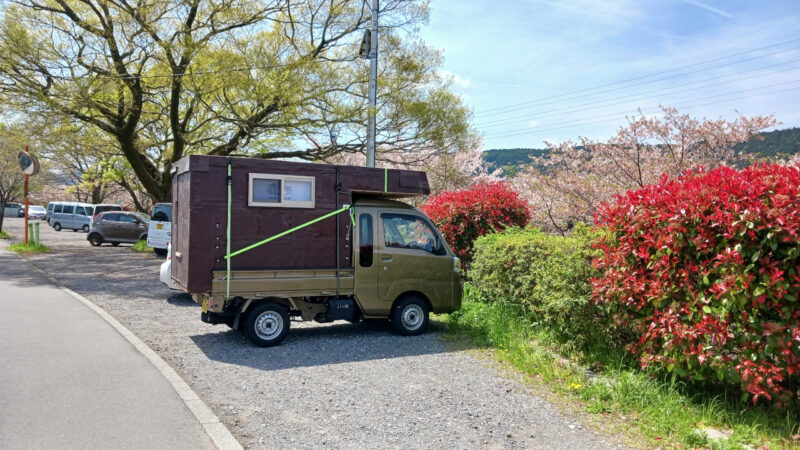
[{"x": 230, "y": 255}]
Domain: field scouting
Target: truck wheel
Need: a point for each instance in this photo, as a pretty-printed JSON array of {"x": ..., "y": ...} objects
[
  {"x": 410, "y": 316},
  {"x": 57, "y": 226},
  {"x": 160, "y": 251},
  {"x": 267, "y": 324},
  {"x": 95, "y": 240}
]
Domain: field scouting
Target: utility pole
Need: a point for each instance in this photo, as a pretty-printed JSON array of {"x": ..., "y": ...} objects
[{"x": 373, "y": 85}]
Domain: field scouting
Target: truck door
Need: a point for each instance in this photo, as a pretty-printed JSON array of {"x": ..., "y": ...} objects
[
  {"x": 412, "y": 257},
  {"x": 366, "y": 266}
]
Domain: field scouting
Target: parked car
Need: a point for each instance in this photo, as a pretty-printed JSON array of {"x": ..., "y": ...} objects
[
  {"x": 160, "y": 232},
  {"x": 12, "y": 209},
  {"x": 103, "y": 207},
  {"x": 114, "y": 227},
  {"x": 72, "y": 215},
  {"x": 36, "y": 212}
]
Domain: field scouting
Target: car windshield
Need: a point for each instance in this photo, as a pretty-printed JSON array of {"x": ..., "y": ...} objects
[
  {"x": 37, "y": 208},
  {"x": 144, "y": 217}
]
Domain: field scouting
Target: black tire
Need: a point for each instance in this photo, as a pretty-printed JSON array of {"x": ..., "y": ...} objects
[
  {"x": 95, "y": 240},
  {"x": 267, "y": 324},
  {"x": 160, "y": 251},
  {"x": 410, "y": 316},
  {"x": 115, "y": 244},
  {"x": 85, "y": 228},
  {"x": 57, "y": 226}
]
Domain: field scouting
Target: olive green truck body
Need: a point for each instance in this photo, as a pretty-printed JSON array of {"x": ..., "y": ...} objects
[{"x": 377, "y": 258}]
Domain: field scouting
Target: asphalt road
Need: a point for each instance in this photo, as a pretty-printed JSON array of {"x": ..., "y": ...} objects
[
  {"x": 70, "y": 380},
  {"x": 333, "y": 385}
]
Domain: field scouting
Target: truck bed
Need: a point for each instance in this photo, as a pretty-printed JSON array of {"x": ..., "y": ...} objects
[{"x": 283, "y": 283}]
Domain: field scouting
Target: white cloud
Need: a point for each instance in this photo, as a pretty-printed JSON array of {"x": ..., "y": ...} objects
[
  {"x": 458, "y": 81},
  {"x": 534, "y": 123}
]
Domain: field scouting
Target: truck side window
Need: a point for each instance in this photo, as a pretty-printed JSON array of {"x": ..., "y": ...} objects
[
  {"x": 365, "y": 246},
  {"x": 407, "y": 231}
]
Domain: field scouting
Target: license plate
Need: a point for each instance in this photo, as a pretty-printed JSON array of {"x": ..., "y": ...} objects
[
  {"x": 159, "y": 226},
  {"x": 204, "y": 306}
]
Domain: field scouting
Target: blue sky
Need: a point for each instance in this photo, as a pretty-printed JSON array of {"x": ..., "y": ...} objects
[{"x": 549, "y": 70}]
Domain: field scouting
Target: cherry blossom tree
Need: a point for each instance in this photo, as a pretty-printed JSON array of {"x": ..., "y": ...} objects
[{"x": 575, "y": 178}]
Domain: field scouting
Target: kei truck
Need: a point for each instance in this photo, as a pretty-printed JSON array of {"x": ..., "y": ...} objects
[{"x": 258, "y": 243}]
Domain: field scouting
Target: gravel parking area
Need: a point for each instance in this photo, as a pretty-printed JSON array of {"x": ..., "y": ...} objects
[{"x": 334, "y": 385}]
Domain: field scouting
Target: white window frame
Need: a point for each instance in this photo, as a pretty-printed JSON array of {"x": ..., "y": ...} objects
[{"x": 283, "y": 202}]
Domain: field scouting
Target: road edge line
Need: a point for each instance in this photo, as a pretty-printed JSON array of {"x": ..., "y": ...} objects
[{"x": 222, "y": 438}]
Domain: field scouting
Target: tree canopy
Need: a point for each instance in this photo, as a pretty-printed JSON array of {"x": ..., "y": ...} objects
[{"x": 273, "y": 78}]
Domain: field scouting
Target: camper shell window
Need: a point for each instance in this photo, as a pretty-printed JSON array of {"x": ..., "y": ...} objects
[{"x": 282, "y": 191}]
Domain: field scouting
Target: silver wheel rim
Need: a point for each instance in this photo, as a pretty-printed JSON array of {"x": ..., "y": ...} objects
[
  {"x": 412, "y": 317},
  {"x": 269, "y": 325}
]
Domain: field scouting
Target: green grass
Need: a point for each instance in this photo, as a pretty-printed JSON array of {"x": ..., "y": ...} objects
[
  {"x": 650, "y": 410},
  {"x": 30, "y": 248},
  {"x": 141, "y": 246},
  {"x": 4, "y": 235}
]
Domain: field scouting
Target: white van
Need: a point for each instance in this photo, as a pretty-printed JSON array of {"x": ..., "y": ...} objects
[
  {"x": 76, "y": 216},
  {"x": 159, "y": 233}
]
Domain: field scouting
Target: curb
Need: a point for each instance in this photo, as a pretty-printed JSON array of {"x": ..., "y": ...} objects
[{"x": 219, "y": 434}]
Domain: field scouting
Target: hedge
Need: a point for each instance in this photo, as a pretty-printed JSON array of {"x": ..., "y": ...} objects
[{"x": 548, "y": 274}]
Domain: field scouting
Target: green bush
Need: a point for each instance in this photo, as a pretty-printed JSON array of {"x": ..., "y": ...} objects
[{"x": 547, "y": 274}]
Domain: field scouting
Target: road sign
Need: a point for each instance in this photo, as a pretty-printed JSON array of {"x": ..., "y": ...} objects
[{"x": 28, "y": 163}]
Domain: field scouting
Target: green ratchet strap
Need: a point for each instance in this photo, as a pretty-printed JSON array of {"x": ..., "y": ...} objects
[
  {"x": 250, "y": 247},
  {"x": 385, "y": 180},
  {"x": 353, "y": 217},
  {"x": 228, "y": 243}
]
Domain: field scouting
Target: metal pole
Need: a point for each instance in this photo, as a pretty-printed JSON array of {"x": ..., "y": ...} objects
[
  {"x": 373, "y": 85},
  {"x": 26, "y": 206}
]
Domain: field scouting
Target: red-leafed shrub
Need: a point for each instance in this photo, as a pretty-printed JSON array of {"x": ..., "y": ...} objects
[
  {"x": 464, "y": 215},
  {"x": 706, "y": 270}
]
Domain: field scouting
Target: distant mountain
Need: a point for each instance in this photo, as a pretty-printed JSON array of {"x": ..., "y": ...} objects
[
  {"x": 778, "y": 143},
  {"x": 511, "y": 159}
]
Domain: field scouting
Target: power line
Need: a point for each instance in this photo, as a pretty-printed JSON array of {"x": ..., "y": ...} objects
[
  {"x": 604, "y": 103},
  {"x": 623, "y": 114},
  {"x": 504, "y": 109}
]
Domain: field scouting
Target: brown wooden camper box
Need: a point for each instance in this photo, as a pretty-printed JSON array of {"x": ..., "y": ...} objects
[{"x": 199, "y": 201}]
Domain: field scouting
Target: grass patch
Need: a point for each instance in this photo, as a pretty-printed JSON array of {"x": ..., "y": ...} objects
[
  {"x": 30, "y": 248},
  {"x": 4, "y": 235},
  {"x": 141, "y": 246},
  {"x": 651, "y": 410}
]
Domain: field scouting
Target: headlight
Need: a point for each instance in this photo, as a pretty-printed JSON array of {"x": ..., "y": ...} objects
[{"x": 456, "y": 265}]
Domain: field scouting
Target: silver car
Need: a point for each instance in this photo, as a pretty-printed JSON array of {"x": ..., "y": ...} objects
[{"x": 72, "y": 215}]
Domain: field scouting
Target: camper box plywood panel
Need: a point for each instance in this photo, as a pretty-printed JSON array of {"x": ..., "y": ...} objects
[{"x": 200, "y": 216}]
